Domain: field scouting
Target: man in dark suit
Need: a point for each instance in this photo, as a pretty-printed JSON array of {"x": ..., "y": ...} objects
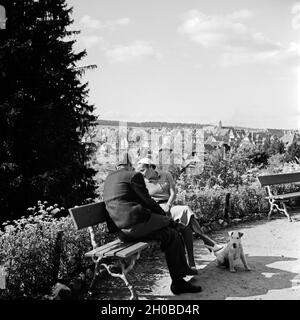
[{"x": 139, "y": 217}]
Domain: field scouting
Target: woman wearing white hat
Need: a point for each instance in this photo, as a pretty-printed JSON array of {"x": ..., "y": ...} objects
[{"x": 161, "y": 187}]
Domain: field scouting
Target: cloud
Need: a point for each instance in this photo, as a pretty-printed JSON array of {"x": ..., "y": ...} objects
[
  {"x": 89, "y": 36},
  {"x": 90, "y": 23},
  {"x": 122, "y": 21},
  {"x": 91, "y": 40},
  {"x": 283, "y": 56},
  {"x": 287, "y": 56},
  {"x": 95, "y": 24},
  {"x": 296, "y": 18},
  {"x": 241, "y": 14},
  {"x": 237, "y": 43},
  {"x": 130, "y": 52},
  {"x": 223, "y": 31}
]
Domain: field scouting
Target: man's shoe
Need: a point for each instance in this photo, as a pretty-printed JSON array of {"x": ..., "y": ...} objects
[{"x": 182, "y": 286}]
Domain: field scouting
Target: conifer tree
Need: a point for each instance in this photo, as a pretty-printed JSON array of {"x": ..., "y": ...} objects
[{"x": 44, "y": 109}]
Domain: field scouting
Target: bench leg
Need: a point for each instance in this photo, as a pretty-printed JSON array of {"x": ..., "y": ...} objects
[
  {"x": 286, "y": 212},
  {"x": 123, "y": 275},
  {"x": 272, "y": 205},
  {"x": 90, "y": 292}
]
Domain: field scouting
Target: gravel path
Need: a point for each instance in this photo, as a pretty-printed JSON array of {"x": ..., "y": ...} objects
[{"x": 273, "y": 253}]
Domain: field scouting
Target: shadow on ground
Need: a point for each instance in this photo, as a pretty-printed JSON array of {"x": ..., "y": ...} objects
[
  {"x": 219, "y": 283},
  {"x": 147, "y": 271},
  {"x": 269, "y": 272}
]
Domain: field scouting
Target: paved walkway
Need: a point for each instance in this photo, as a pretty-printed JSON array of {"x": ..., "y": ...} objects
[{"x": 273, "y": 251}]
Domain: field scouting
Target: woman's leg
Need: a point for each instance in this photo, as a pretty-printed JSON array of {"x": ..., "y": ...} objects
[
  {"x": 196, "y": 227},
  {"x": 185, "y": 215}
]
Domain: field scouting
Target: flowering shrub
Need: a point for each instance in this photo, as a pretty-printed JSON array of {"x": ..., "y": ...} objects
[
  {"x": 207, "y": 204},
  {"x": 45, "y": 208},
  {"x": 276, "y": 163},
  {"x": 206, "y": 193},
  {"x": 250, "y": 176},
  {"x": 222, "y": 172},
  {"x": 27, "y": 250},
  {"x": 247, "y": 200}
]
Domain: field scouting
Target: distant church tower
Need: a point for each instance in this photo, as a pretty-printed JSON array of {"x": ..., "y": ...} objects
[{"x": 220, "y": 124}]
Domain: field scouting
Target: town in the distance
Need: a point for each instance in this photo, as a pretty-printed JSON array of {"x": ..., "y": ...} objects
[{"x": 176, "y": 143}]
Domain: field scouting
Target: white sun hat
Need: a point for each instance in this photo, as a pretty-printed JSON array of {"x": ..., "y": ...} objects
[{"x": 146, "y": 161}]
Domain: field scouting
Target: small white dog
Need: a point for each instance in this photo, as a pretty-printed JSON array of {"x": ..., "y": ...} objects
[{"x": 232, "y": 251}]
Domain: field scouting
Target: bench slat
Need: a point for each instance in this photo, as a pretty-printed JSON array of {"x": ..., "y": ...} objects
[
  {"x": 99, "y": 252},
  {"x": 132, "y": 249},
  {"x": 282, "y": 178},
  {"x": 285, "y": 196},
  {"x": 99, "y": 249},
  {"x": 113, "y": 251},
  {"x": 121, "y": 250}
]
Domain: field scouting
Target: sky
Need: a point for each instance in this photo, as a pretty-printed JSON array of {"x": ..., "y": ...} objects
[{"x": 193, "y": 61}]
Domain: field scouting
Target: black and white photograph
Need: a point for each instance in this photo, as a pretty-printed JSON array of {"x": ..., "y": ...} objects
[{"x": 149, "y": 150}]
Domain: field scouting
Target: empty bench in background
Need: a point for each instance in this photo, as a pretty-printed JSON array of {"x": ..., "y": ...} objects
[
  {"x": 123, "y": 254},
  {"x": 276, "y": 199}
]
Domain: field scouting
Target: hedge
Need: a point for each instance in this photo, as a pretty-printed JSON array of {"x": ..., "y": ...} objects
[{"x": 28, "y": 254}]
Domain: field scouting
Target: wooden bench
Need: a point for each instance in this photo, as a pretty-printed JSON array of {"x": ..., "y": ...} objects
[
  {"x": 124, "y": 255},
  {"x": 276, "y": 199}
]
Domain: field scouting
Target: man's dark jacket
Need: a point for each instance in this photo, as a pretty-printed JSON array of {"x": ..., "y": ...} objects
[{"x": 127, "y": 199}]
